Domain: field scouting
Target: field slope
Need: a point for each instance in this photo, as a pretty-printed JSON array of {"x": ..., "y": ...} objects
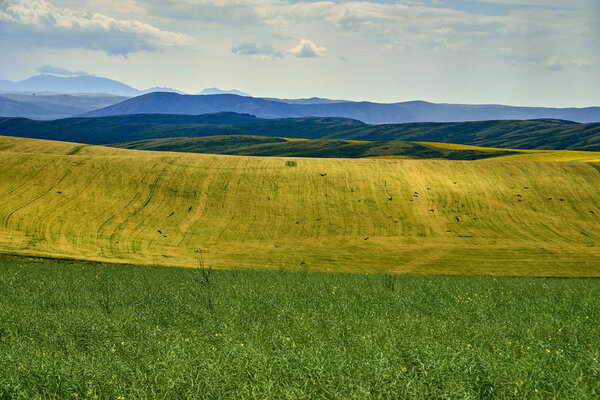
[
  {"x": 317, "y": 148},
  {"x": 531, "y": 134},
  {"x": 336, "y": 148},
  {"x": 405, "y": 216}
]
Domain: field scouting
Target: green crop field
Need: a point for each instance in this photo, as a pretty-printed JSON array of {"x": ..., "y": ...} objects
[
  {"x": 358, "y": 215},
  {"x": 82, "y": 330}
]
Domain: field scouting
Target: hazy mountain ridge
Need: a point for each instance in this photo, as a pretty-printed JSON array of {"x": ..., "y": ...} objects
[
  {"x": 76, "y": 84},
  {"x": 368, "y": 112},
  {"x": 53, "y": 106},
  {"x": 210, "y": 91},
  {"x": 211, "y": 100},
  {"x": 14, "y": 108}
]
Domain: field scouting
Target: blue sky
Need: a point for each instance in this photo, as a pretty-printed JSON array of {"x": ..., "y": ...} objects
[{"x": 520, "y": 52}]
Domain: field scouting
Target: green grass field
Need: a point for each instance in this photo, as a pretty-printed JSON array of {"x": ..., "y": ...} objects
[
  {"x": 354, "y": 215},
  {"x": 84, "y": 330}
]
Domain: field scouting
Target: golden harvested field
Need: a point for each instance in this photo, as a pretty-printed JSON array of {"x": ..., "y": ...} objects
[{"x": 359, "y": 215}]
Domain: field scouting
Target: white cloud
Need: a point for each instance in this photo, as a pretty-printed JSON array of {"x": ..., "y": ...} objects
[
  {"x": 553, "y": 63},
  {"x": 581, "y": 63},
  {"x": 307, "y": 49},
  {"x": 50, "y": 69},
  {"x": 541, "y": 3},
  {"x": 38, "y": 22},
  {"x": 112, "y": 7},
  {"x": 304, "y": 49},
  {"x": 255, "y": 50}
]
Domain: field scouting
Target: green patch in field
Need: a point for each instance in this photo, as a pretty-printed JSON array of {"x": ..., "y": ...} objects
[{"x": 76, "y": 149}]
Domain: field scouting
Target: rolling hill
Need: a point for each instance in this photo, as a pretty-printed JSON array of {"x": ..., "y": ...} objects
[
  {"x": 336, "y": 148},
  {"x": 533, "y": 134},
  {"x": 368, "y": 112},
  {"x": 314, "y": 148},
  {"x": 405, "y": 216}
]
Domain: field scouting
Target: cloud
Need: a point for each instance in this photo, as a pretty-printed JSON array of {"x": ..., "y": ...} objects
[
  {"x": 581, "y": 63},
  {"x": 50, "y": 69},
  {"x": 539, "y": 3},
  {"x": 255, "y": 50},
  {"x": 307, "y": 49},
  {"x": 553, "y": 63},
  {"x": 39, "y": 23},
  {"x": 229, "y": 12}
]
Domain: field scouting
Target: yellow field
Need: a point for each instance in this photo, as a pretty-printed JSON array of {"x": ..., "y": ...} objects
[
  {"x": 526, "y": 155},
  {"x": 406, "y": 216}
]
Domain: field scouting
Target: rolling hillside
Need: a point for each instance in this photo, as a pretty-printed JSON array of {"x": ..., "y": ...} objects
[
  {"x": 534, "y": 134},
  {"x": 375, "y": 113},
  {"x": 336, "y": 148},
  {"x": 316, "y": 148},
  {"x": 404, "y": 216},
  {"x": 525, "y": 155}
]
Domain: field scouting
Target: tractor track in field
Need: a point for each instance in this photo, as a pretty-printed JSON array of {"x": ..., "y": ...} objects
[
  {"x": 117, "y": 229},
  {"x": 203, "y": 196},
  {"x": 136, "y": 231},
  {"x": 9, "y": 164},
  {"x": 5, "y": 220},
  {"x": 32, "y": 177},
  {"x": 77, "y": 194},
  {"x": 229, "y": 219}
]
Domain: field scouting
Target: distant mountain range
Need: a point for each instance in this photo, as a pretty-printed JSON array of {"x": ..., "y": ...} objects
[
  {"x": 109, "y": 97},
  {"x": 530, "y": 134},
  {"x": 53, "y": 84},
  {"x": 209, "y": 91},
  {"x": 76, "y": 84},
  {"x": 53, "y": 106},
  {"x": 311, "y": 100},
  {"x": 373, "y": 113}
]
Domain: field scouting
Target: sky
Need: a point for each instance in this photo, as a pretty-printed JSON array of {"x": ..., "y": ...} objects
[{"x": 516, "y": 52}]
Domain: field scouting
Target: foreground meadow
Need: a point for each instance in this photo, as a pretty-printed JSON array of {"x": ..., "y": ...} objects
[{"x": 85, "y": 330}]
